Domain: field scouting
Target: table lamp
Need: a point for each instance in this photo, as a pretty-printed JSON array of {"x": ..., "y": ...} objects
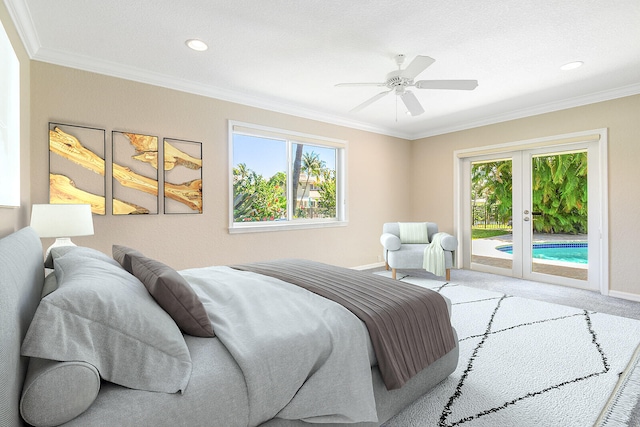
[{"x": 61, "y": 221}]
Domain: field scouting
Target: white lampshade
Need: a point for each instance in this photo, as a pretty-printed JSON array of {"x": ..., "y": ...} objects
[
  {"x": 62, "y": 222},
  {"x": 59, "y": 220}
]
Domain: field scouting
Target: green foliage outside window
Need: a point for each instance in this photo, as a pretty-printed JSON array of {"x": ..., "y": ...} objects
[
  {"x": 559, "y": 191},
  {"x": 327, "y": 189},
  {"x": 256, "y": 198}
]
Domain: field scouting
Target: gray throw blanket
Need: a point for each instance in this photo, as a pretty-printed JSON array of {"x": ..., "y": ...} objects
[
  {"x": 302, "y": 356},
  {"x": 409, "y": 326}
]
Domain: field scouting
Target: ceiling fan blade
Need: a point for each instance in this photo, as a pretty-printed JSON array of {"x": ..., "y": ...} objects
[
  {"x": 359, "y": 84},
  {"x": 412, "y": 103},
  {"x": 418, "y": 65},
  {"x": 447, "y": 84},
  {"x": 370, "y": 101}
]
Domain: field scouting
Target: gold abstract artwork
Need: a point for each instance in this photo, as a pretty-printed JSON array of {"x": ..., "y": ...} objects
[
  {"x": 77, "y": 169},
  {"x": 135, "y": 175},
  {"x": 182, "y": 176}
]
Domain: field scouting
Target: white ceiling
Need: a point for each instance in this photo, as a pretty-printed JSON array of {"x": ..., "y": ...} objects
[{"x": 287, "y": 55}]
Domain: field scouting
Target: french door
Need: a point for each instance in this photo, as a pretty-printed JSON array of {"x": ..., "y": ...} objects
[{"x": 534, "y": 213}]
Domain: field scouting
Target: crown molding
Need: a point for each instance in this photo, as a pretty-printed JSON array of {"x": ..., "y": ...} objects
[
  {"x": 21, "y": 17},
  {"x": 157, "y": 79},
  {"x": 113, "y": 69},
  {"x": 564, "y": 104}
]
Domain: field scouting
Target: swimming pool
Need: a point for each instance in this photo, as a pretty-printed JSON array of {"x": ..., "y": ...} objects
[{"x": 576, "y": 252}]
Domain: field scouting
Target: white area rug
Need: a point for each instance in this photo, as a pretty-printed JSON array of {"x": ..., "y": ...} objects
[
  {"x": 524, "y": 363},
  {"x": 623, "y": 408}
]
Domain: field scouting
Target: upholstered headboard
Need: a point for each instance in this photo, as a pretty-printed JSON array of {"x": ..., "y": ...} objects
[{"x": 21, "y": 281}]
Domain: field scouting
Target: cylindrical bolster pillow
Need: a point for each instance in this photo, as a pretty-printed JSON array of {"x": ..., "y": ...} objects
[
  {"x": 449, "y": 243},
  {"x": 391, "y": 242},
  {"x": 57, "y": 392}
]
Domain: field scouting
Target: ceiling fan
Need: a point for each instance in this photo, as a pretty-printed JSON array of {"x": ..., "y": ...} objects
[{"x": 398, "y": 81}]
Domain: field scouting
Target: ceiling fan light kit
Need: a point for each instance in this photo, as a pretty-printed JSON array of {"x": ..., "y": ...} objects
[{"x": 399, "y": 80}]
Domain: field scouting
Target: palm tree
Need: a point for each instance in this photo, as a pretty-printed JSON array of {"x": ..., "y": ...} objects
[
  {"x": 311, "y": 166},
  {"x": 296, "y": 174}
]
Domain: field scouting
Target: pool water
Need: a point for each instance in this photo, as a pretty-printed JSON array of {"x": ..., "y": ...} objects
[{"x": 576, "y": 252}]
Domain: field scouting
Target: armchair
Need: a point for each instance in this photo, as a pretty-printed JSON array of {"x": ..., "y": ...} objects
[{"x": 408, "y": 251}]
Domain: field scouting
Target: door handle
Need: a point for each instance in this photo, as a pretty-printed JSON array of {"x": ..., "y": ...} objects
[{"x": 526, "y": 218}]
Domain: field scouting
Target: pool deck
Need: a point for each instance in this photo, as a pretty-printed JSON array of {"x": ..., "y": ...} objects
[{"x": 484, "y": 252}]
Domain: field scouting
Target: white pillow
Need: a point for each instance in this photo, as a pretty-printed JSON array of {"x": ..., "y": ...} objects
[
  {"x": 79, "y": 251},
  {"x": 102, "y": 315},
  {"x": 414, "y": 232}
]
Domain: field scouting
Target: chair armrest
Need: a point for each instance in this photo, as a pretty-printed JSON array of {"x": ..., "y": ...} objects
[
  {"x": 449, "y": 242},
  {"x": 391, "y": 242}
]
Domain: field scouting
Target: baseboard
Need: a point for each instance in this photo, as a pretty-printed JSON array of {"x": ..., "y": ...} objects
[
  {"x": 369, "y": 266},
  {"x": 625, "y": 295}
]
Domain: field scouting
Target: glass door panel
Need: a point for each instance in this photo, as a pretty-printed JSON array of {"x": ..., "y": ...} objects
[
  {"x": 529, "y": 215},
  {"x": 537, "y": 213},
  {"x": 559, "y": 215},
  {"x": 492, "y": 214}
]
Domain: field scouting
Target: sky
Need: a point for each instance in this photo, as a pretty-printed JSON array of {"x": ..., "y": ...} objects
[{"x": 268, "y": 156}]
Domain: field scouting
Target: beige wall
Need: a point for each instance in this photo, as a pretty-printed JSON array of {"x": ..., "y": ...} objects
[
  {"x": 389, "y": 179},
  {"x": 376, "y": 172},
  {"x": 12, "y": 219},
  {"x": 433, "y": 162}
]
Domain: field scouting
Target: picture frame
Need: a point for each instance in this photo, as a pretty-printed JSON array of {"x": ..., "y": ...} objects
[
  {"x": 135, "y": 160},
  {"x": 182, "y": 176},
  {"x": 77, "y": 165}
]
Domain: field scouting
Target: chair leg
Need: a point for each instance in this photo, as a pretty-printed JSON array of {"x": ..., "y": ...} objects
[
  {"x": 386, "y": 266},
  {"x": 448, "y": 274},
  {"x": 393, "y": 273}
]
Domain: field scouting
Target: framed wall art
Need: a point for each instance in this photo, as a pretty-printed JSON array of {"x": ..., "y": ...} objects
[
  {"x": 77, "y": 166},
  {"x": 182, "y": 176},
  {"x": 135, "y": 173}
]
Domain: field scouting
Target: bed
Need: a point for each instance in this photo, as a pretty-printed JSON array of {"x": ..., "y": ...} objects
[{"x": 266, "y": 350}]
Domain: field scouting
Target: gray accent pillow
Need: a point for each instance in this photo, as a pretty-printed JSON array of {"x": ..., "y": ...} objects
[
  {"x": 174, "y": 295},
  {"x": 102, "y": 315},
  {"x": 80, "y": 251},
  {"x": 57, "y": 392},
  {"x": 123, "y": 254}
]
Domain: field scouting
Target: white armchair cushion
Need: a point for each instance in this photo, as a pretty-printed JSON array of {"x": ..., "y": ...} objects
[{"x": 414, "y": 232}]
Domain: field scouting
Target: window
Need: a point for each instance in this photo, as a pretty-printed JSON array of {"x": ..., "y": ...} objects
[
  {"x": 282, "y": 179},
  {"x": 9, "y": 123}
]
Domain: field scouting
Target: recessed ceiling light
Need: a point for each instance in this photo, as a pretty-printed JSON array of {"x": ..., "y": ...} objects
[
  {"x": 196, "y": 44},
  {"x": 572, "y": 65}
]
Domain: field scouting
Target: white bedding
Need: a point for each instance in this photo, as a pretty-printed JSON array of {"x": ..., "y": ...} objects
[{"x": 302, "y": 356}]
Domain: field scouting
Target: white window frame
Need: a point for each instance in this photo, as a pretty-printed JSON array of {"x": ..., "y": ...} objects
[
  {"x": 9, "y": 123},
  {"x": 291, "y": 137}
]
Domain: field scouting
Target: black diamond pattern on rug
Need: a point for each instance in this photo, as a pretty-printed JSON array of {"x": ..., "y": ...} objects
[{"x": 450, "y": 417}]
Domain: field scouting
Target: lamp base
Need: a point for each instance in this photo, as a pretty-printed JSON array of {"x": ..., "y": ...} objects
[{"x": 60, "y": 241}]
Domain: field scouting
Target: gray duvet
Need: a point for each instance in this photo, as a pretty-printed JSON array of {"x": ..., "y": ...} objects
[{"x": 302, "y": 356}]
